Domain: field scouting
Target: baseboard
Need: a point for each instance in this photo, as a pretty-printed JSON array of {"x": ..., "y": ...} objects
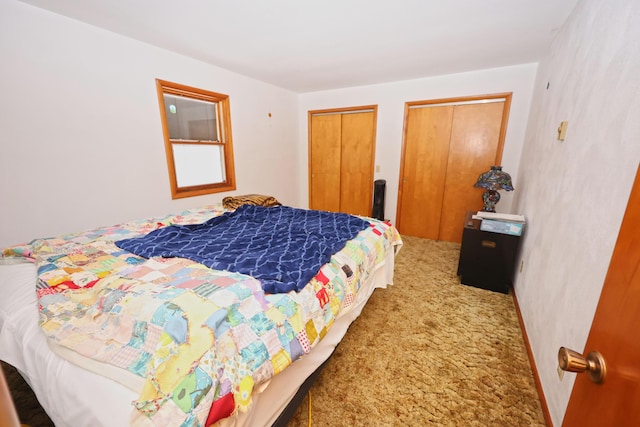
[{"x": 532, "y": 362}]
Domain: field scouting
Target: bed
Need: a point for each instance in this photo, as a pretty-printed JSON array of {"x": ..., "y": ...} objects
[{"x": 106, "y": 337}]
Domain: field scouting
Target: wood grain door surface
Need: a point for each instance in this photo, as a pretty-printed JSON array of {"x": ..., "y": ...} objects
[
  {"x": 341, "y": 161},
  {"x": 473, "y": 149},
  {"x": 425, "y": 167},
  {"x": 357, "y": 163},
  {"x": 446, "y": 148},
  {"x": 325, "y": 153},
  {"x": 615, "y": 335}
]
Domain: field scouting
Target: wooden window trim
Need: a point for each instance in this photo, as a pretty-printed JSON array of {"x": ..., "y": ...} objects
[{"x": 225, "y": 139}]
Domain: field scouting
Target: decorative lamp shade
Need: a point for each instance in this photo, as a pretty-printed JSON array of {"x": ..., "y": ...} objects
[{"x": 492, "y": 181}]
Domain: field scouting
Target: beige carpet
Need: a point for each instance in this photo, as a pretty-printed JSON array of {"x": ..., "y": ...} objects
[{"x": 428, "y": 351}]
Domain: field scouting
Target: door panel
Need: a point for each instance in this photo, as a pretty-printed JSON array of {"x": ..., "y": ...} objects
[
  {"x": 446, "y": 148},
  {"x": 325, "y": 162},
  {"x": 472, "y": 150},
  {"x": 356, "y": 174},
  {"x": 341, "y": 159},
  {"x": 614, "y": 333},
  {"x": 424, "y": 170}
]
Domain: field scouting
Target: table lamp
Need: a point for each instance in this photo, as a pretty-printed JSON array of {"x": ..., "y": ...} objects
[{"x": 492, "y": 181}]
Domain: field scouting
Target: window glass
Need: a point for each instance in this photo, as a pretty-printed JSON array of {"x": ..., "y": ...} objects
[
  {"x": 191, "y": 119},
  {"x": 198, "y": 164}
]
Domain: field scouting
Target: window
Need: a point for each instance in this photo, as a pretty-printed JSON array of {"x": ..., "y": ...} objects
[{"x": 197, "y": 135}]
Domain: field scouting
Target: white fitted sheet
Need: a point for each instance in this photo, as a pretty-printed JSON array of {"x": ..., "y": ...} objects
[{"x": 75, "y": 397}]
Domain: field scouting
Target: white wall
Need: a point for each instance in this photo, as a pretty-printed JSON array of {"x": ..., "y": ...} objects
[
  {"x": 574, "y": 193},
  {"x": 82, "y": 143},
  {"x": 391, "y": 99}
]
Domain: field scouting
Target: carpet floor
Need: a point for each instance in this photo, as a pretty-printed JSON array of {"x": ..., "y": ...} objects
[
  {"x": 428, "y": 351},
  {"x": 425, "y": 351}
]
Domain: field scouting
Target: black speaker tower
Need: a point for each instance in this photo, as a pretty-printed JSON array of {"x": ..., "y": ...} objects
[{"x": 378, "y": 199}]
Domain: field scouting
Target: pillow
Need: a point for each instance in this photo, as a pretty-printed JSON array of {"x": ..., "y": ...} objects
[
  {"x": 233, "y": 202},
  {"x": 17, "y": 252}
]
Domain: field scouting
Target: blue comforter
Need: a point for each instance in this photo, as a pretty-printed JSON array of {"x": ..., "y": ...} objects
[{"x": 281, "y": 246}]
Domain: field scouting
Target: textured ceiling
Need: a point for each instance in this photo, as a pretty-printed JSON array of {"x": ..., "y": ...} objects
[{"x": 306, "y": 45}]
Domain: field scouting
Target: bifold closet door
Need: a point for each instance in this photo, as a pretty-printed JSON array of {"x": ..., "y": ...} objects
[
  {"x": 446, "y": 148},
  {"x": 473, "y": 149},
  {"x": 425, "y": 168},
  {"x": 341, "y": 162},
  {"x": 324, "y": 162},
  {"x": 356, "y": 168}
]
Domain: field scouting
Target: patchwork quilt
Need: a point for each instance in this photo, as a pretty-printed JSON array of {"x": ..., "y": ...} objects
[{"x": 201, "y": 339}]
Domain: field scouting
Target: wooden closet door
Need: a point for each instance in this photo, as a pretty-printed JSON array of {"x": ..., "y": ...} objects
[
  {"x": 357, "y": 157},
  {"x": 424, "y": 170},
  {"x": 324, "y": 162},
  {"x": 446, "y": 147},
  {"x": 341, "y": 159},
  {"x": 475, "y": 135}
]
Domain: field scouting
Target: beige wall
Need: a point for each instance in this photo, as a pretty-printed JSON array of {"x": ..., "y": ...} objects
[
  {"x": 574, "y": 193},
  {"x": 82, "y": 143}
]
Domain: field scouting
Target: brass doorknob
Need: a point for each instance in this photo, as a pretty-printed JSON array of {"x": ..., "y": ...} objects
[{"x": 572, "y": 361}]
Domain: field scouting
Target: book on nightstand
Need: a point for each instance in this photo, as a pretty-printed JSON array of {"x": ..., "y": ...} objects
[{"x": 501, "y": 223}]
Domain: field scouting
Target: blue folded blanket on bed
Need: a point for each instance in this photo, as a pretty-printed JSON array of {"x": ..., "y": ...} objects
[{"x": 281, "y": 246}]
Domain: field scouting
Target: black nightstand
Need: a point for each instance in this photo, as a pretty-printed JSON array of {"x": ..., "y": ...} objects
[{"x": 487, "y": 259}]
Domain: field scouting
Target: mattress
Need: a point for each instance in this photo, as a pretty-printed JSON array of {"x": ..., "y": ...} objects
[{"x": 74, "y": 396}]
